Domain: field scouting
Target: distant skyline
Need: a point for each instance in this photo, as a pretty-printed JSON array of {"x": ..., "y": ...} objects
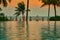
[{"x": 34, "y": 7}]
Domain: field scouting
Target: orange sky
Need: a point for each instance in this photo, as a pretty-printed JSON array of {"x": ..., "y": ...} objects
[
  {"x": 34, "y": 6},
  {"x": 32, "y": 3}
]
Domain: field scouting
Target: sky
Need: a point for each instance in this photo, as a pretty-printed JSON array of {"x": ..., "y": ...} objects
[{"x": 34, "y": 6}]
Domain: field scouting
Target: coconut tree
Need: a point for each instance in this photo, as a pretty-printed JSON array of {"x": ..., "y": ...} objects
[
  {"x": 54, "y": 3},
  {"x": 4, "y": 2},
  {"x": 21, "y": 9}
]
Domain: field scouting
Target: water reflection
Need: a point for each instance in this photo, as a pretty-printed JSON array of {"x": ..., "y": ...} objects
[
  {"x": 2, "y": 31},
  {"x": 16, "y": 30},
  {"x": 53, "y": 31},
  {"x": 11, "y": 30}
]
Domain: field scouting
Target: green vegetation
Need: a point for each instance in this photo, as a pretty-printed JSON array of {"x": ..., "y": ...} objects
[
  {"x": 2, "y": 17},
  {"x": 57, "y": 18}
]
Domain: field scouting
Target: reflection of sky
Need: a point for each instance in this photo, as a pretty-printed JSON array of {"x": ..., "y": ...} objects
[{"x": 35, "y": 9}]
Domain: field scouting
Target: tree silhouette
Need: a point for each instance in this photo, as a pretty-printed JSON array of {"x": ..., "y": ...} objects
[
  {"x": 4, "y": 2},
  {"x": 27, "y": 26},
  {"x": 54, "y": 3},
  {"x": 51, "y": 2},
  {"x": 20, "y": 9}
]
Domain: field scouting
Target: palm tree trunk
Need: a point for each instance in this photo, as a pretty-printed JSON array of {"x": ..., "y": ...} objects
[
  {"x": 48, "y": 12},
  {"x": 55, "y": 23},
  {"x": 49, "y": 22},
  {"x": 27, "y": 26},
  {"x": 55, "y": 11}
]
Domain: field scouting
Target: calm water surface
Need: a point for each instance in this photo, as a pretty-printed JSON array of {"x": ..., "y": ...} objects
[{"x": 16, "y": 30}]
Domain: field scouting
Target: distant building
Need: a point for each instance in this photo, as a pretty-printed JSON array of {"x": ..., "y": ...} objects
[
  {"x": 37, "y": 18},
  {"x": 30, "y": 18}
]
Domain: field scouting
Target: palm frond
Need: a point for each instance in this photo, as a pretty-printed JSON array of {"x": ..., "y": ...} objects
[
  {"x": 4, "y": 3},
  {"x": 43, "y": 5},
  {"x": 58, "y": 3},
  {"x": 20, "y": 8},
  {"x": 17, "y": 13},
  {"x": 0, "y": 1},
  {"x": 9, "y": 1}
]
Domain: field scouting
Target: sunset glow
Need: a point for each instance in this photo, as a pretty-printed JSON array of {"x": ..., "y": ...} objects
[{"x": 32, "y": 3}]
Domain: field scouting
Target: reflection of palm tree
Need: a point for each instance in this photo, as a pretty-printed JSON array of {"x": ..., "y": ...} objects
[
  {"x": 4, "y": 2},
  {"x": 20, "y": 9}
]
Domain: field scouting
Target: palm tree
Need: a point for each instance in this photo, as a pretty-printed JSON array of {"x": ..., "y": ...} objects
[
  {"x": 4, "y": 2},
  {"x": 54, "y": 3},
  {"x": 20, "y": 9},
  {"x": 46, "y": 2}
]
